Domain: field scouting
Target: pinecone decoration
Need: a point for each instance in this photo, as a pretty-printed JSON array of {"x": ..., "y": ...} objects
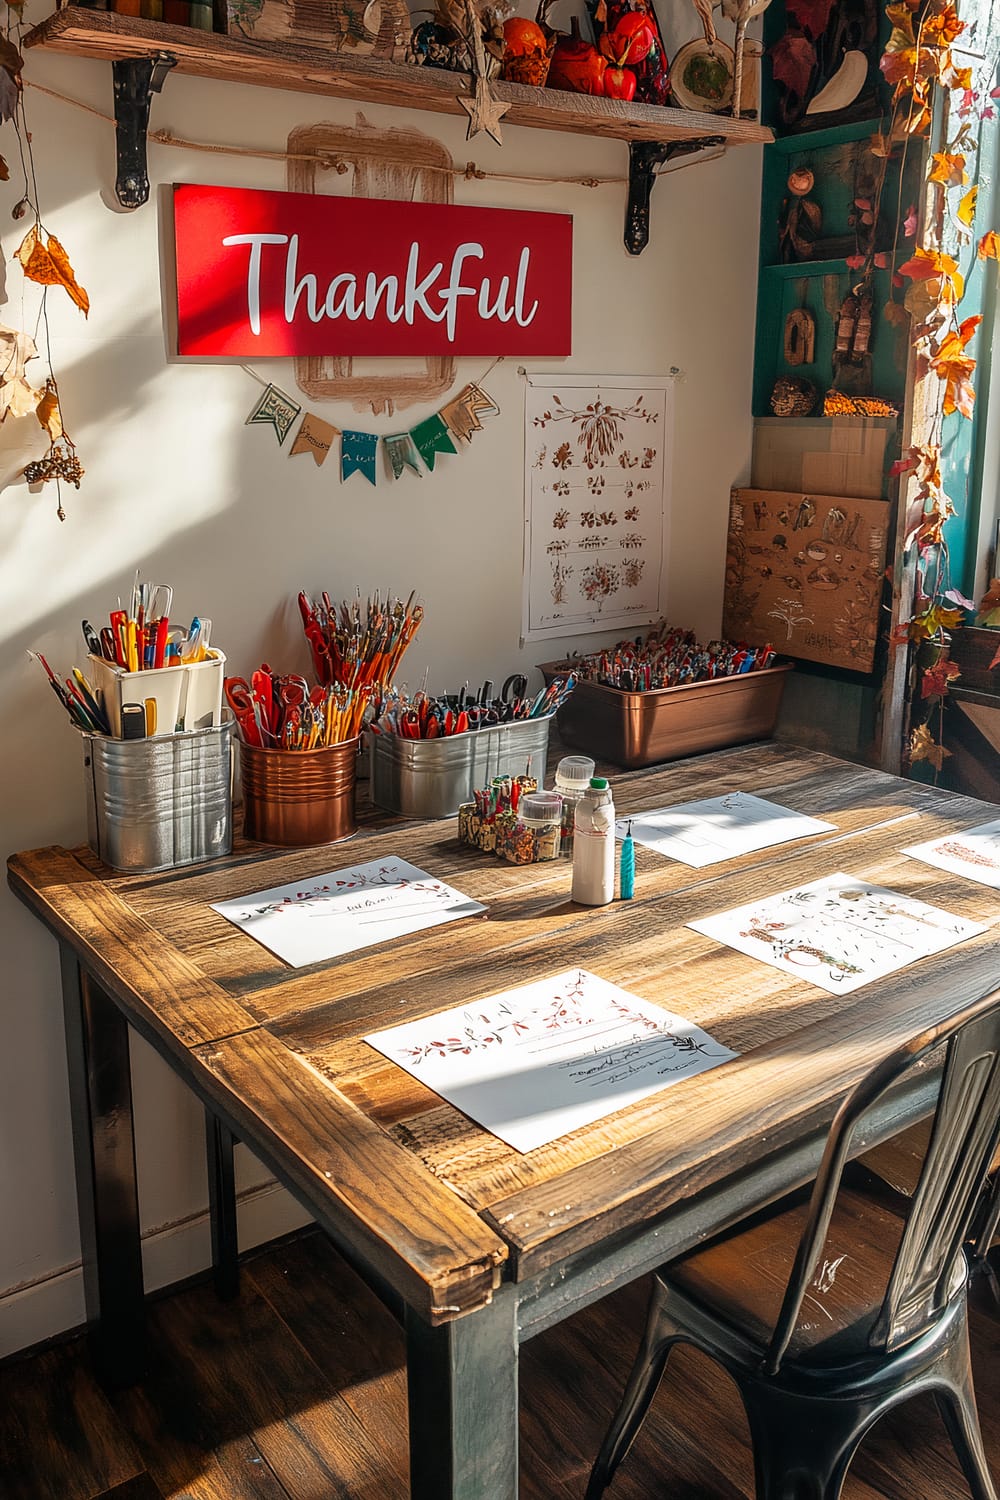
[{"x": 61, "y": 462}]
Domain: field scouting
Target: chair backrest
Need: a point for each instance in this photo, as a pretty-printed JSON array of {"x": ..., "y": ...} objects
[{"x": 948, "y": 1196}]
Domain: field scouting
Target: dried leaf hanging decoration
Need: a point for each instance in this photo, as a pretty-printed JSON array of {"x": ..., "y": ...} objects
[
  {"x": 923, "y": 746},
  {"x": 17, "y": 397},
  {"x": 955, "y": 368},
  {"x": 948, "y": 168},
  {"x": 4, "y": 171},
  {"x": 48, "y": 412},
  {"x": 49, "y": 265},
  {"x": 11, "y": 63},
  {"x": 989, "y": 246},
  {"x": 966, "y": 211}
]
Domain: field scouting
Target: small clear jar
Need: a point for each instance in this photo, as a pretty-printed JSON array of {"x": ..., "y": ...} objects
[
  {"x": 538, "y": 832},
  {"x": 573, "y": 775}
]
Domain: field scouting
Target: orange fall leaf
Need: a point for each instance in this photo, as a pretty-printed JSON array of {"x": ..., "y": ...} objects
[{"x": 49, "y": 265}]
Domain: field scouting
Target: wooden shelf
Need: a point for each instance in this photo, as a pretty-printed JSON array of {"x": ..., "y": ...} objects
[{"x": 369, "y": 80}]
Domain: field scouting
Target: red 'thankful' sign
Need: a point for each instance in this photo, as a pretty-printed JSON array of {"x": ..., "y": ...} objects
[{"x": 298, "y": 273}]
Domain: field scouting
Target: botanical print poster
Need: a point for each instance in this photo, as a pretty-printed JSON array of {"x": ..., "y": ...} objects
[{"x": 597, "y": 457}]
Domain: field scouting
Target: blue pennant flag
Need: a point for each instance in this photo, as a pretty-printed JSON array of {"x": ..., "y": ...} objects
[{"x": 357, "y": 451}]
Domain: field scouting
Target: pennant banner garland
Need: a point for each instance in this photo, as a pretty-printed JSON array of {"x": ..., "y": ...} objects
[{"x": 460, "y": 418}]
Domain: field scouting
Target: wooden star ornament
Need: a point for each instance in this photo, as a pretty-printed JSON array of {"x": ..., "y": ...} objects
[{"x": 485, "y": 112}]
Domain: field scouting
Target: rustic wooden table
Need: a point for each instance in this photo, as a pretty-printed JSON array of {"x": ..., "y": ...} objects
[{"x": 475, "y": 1246}]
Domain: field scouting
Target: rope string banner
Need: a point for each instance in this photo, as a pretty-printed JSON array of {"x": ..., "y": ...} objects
[{"x": 405, "y": 452}]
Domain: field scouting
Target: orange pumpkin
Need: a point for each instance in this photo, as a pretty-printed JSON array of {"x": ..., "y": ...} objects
[
  {"x": 524, "y": 38},
  {"x": 527, "y": 50}
]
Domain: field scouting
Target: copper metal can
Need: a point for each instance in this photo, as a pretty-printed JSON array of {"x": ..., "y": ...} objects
[{"x": 296, "y": 797}]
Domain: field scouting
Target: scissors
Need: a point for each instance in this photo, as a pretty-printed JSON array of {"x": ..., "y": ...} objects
[
  {"x": 262, "y": 689},
  {"x": 515, "y": 686},
  {"x": 247, "y": 709},
  {"x": 293, "y": 692}
]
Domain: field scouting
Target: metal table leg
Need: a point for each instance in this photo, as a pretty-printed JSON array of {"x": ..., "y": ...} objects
[
  {"x": 220, "y": 1141},
  {"x": 462, "y": 1381},
  {"x": 100, "y": 1085}
]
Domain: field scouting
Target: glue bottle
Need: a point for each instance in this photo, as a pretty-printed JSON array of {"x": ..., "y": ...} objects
[{"x": 594, "y": 846}]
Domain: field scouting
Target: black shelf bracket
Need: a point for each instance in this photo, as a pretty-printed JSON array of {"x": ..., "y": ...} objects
[
  {"x": 136, "y": 80},
  {"x": 643, "y": 159}
]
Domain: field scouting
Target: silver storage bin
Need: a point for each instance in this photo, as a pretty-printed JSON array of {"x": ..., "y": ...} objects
[
  {"x": 432, "y": 778},
  {"x": 156, "y": 803}
]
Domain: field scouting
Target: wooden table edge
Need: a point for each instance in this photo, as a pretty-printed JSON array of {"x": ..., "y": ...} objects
[
  {"x": 331, "y": 1181},
  {"x": 76, "y": 923}
]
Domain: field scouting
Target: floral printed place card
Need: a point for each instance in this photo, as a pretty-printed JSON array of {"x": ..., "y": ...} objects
[
  {"x": 534, "y": 1063},
  {"x": 838, "y": 932},
  {"x": 974, "y": 854},
  {"x": 718, "y": 828},
  {"x": 343, "y": 910}
]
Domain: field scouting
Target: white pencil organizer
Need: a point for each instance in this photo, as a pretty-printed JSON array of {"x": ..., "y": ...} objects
[{"x": 187, "y": 697}]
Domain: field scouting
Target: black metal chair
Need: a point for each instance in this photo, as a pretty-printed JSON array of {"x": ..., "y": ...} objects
[{"x": 829, "y": 1309}]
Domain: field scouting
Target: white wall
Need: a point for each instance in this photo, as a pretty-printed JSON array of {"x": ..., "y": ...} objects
[{"x": 177, "y": 486}]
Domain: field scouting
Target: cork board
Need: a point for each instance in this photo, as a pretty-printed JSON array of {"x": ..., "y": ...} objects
[{"x": 805, "y": 572}]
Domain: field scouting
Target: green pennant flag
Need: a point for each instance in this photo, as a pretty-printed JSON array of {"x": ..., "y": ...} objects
[
  {"x": 401, "y": 451},
  {"x": 275, "y": 409},
  {"x": 432, "y": 437},
  {"x": 357, "y": 452}
]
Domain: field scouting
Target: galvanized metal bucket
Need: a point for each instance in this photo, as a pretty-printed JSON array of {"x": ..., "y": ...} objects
[
  {"x": 432, "y": 778},
  {"x": 157, "y": 803}
]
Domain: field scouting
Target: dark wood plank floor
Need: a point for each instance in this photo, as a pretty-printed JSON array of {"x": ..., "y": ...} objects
[{"x": 297, "y": 1392}]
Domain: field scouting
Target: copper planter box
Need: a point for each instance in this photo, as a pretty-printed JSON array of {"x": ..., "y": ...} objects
[
  {"x": 641, "y": 729},
  {"x": 296, "y": 797}
]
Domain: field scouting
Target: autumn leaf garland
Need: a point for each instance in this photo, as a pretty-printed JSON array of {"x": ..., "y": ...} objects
[
  {"x": 919, "y": 59},
  {"x": 45, "y": 262}
]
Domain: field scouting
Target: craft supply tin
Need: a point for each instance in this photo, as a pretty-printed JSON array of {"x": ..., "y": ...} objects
[
  {"x": 157, "y": 803},
  {"x": 634, "y": 729},
  {"x": 296, "y": 797},
  {"x": 432, "y": 778}
]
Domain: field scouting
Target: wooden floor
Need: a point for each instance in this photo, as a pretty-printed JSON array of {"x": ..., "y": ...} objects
[{"x": 298, "y": 1390}]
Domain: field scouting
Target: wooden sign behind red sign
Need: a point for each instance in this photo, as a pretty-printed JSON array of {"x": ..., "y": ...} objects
[{"x": 298, "y": 273}]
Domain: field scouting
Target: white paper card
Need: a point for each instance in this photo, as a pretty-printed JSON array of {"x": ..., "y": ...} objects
[
  {"x": 704, "y": 833},
  {"x": 343, "y": 910},
  {"x": 974, "y": 854},
  {"x": 838, "y": 932},
  {"x": 534, "y": 1063}
]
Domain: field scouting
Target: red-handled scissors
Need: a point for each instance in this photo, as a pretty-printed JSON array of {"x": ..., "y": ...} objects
[{"x": 246, "y": 709}]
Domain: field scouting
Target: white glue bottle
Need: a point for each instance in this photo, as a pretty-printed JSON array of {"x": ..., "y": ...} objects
[{"x": 594, "y": 846}]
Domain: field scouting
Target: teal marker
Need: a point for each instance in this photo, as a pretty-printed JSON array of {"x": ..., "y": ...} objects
[{"x": 626, "y": 867}]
